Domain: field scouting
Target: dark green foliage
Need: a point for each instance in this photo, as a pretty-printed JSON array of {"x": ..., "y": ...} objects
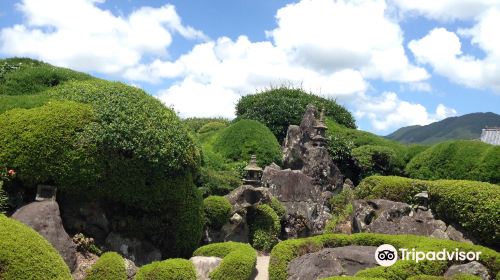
[
  {"x": 341, "y": 209},
  {"x": 217, "y": 210},
  {"x": 245, "y": 138},
  {"x": 212, "y": 126},
  {"x": 287, "y": 250},
  {"x": 196, "y": 123},
  {"x": 3, "y": 199},
  {"x": 466, "y": 127},
  {"x": 172, "y": 269},
  {"x": 21, "y": 76},
  {"x": 44, "y": 144},
  {"x": 110, "y": 266},
  {"x": 462, "y": 159},
  {"x": 379, "y": 160},
  {"x": 280, "y": 107},
  {"x": 475, "y": 206},
  {"x": 238, "y": 260},
  {"x": 278, "y": 207},
  {"x": 264, "y": 227},
  {"x": 24, "y": 254},
  {"x": 8, "y": 102},
  {"x": 217, "y": 182}
]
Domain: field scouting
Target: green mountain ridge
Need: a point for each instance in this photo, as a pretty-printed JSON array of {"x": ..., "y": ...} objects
[{"x": 465, "y": 127}]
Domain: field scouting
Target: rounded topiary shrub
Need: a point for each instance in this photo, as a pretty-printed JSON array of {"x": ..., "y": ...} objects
[
  {"x": 245, "y": 138},
  {"x": 217, "y": 210},
  {"x": 24, "y": 254},
  {"x": 264, "y": 227},
  {"x": 116, "y": 144},
  {"x": 461, "y": 159},
  {"x": 22, "y": 76},
  {"x": 280, "y": 107},
  {"x": 172, "y": 269},
  {"x": 110, "y": 266},
  {"x": 212, "y": 126}
]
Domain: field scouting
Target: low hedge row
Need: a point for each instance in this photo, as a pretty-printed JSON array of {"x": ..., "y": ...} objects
[
  {"x": 25, "y": 254},
  {"x": 110, "y": 266},
  {"x": 238, "y": 260},
  {"x": 288, "y": 250},
  {"x": 172, "y": 269},
  {"x": 475, "y": 206}
]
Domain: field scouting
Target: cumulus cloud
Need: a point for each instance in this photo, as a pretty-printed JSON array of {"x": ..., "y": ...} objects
[
  {"x": 80, "y": 35},
  {"x": 387, "y": 112},
  {"x": 446, "y": 10}
]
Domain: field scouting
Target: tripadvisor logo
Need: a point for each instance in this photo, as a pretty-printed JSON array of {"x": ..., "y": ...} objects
[{"x": 387, "y": 255}]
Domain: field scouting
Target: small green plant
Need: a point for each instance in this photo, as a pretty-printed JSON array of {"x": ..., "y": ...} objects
[
  {"x": 110, "y": 266},
  {"x": 264, "y": 227},
  {"x": 86, "y": 244},
  {"x": 5, "y": 175},
  {"x": 217, "y": 210},
  {"x": 172, "y": 269},
  {"x": 341, "y": 209}
]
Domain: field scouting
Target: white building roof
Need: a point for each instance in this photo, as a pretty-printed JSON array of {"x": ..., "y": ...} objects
[{"x": 491, "y": 135}]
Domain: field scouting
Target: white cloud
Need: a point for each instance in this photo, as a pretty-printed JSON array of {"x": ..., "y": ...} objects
[
  {"x": 329, "y": 35},
  {"x": 387, "y": 112},
  {"x": 80, "y": 35},
  {"x": 446, "y": 10}
]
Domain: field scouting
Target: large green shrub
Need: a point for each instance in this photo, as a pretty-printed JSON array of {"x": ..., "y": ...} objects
[
  {"x": 172, "y": 269},
  {"x": 288, "y": 250},
  {"x": 24, "y": 254},
  {"x": 22, "y": 76},
  {"x": 110, "y": 266},
  {"x": 280, "y": 107},
  {"x": 217, "y": 182},
  {"x": 217, "y": 210},
  {"x": 194, "y": 124},
  {"x": 461, "y": 159},
  {"x": 379, "y": 160},
  {"x": 212, "y": 126},
  {"x": 245, "y": 138},
  {"x": 238, "y": 260},
  {"x": 264, "y": 227},
  {"x": 44, "y": 144},
  {"x": 475, "y": 206}
]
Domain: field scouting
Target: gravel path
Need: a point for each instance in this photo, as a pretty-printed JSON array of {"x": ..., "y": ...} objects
[{"x": 262, "y": 268}]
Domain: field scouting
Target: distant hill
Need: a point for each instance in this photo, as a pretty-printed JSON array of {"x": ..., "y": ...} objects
[{"x": 464, "y": 127}]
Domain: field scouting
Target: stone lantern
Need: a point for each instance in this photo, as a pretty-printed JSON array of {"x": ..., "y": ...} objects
[
  {"x": 319, "y": 137},
  {"x": 253, "y": 172}
]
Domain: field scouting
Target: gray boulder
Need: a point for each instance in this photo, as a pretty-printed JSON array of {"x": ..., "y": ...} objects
[
  {"x": 332, "y": 262},
  {"x": 204, "y": 265},
  {"x": 85, "y": 217},
  {"x": 140, "y": 252},
  {"x": 474, "y": 268},
  {"x": 44, "y": 217}
]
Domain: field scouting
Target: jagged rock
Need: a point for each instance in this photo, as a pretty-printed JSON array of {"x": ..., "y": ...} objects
[
  {"x": 84, "y": 261},
  {"x": 456, "y": 235},
  {"x": 44, "y": 217},
  {"x": 204, "y": 265},
  {"x": 140, "y": 252},
  {"x": 246, "y": 196},
  {"x": 389, "y": 217},
  {"x": 130, "y": 268},
  {"x": 332, "y": 262},
  {"x": 474, "y": 268},
  {"x": 348, "y": 185}
]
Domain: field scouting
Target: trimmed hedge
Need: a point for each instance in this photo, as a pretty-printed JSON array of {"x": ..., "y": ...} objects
[
  {"x": 379, "y": 160},
  {"x": 264, "y": 227},
  {"x": 23, "y": 76},
  {"x": 212, "y": 126},
  {"x": 217, "y": 182},
  {"x": 25, "y": 254},
  {"x": 217, "y": 210},
  {"x": 43, "y": 144},
  {"x": 110, "y": 266},
  {"x": 194, "y": 124},
  {"x": 277, "y": 108},
  {"x": 475, "y": 206},
  {"x": 8, "y": 102},
  {"x": 172, "y": 269},
  {"x": 288, "y": 250},
  {"x": 238, "y": 260},
  {"x": 461, "y": 159},
  {"x": 245, "y": 138}
]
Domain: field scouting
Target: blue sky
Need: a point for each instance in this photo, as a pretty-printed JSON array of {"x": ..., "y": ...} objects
[{"x": 392, "y": 63}]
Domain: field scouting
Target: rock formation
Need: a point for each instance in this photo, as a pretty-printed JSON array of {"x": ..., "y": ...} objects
[
  {"x": 44, "y": 217},
  {"x": 309, "y": 179}
]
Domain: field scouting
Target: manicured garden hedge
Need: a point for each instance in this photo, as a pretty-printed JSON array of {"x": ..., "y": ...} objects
[
  {"x": 264, "y": 227},
  {"x": 461, "y": 159},
  {"x": 196, "y": 123},
  {"x": 379, "y": 160},
  {"x": 277, "y": 108},
  {"x": 25, "y": 254},
  {"x": 212, "y": 126},
  {"x": 217, "y": 210},
  {"x": 238, "y": 260},
  {"x": 172, "y": 269},
  {"x": 110, "y": 266},
  {"x": 245, "y": 138},
  {"x": 475, "y": 206},
  {"x": 22, "y": 76},
  {"x": 288, "y": 250}
]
